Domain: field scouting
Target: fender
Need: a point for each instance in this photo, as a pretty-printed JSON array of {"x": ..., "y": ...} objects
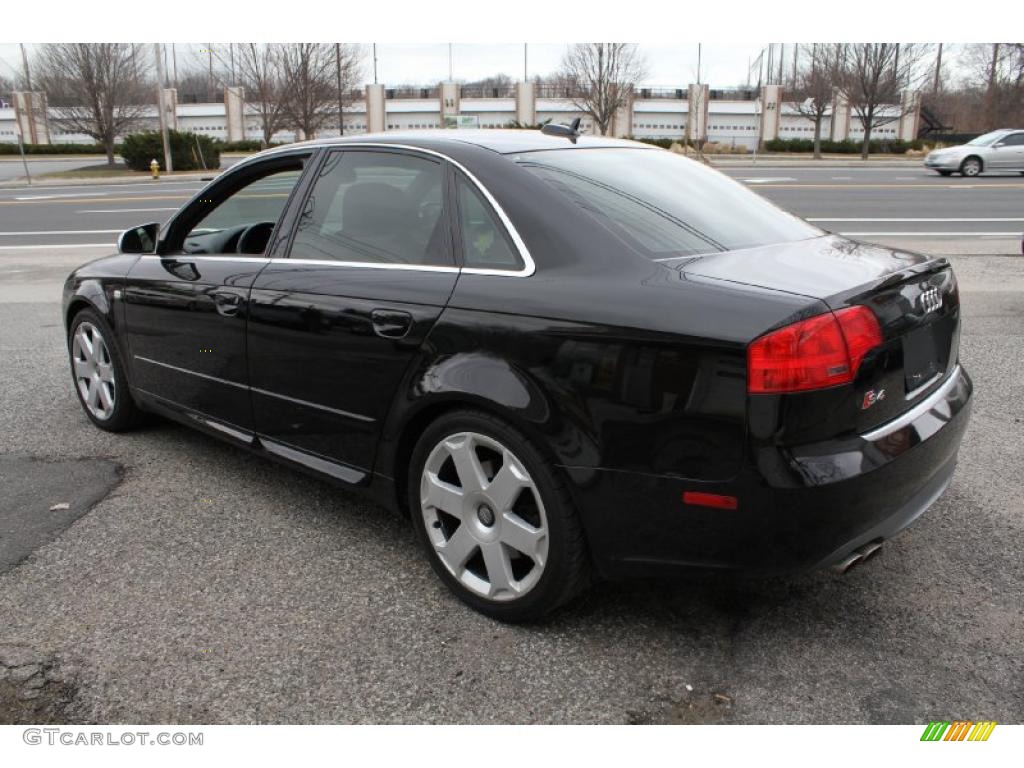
[
  {"x": 483, "y": 380},
  {"x": 94, "y": 284}
]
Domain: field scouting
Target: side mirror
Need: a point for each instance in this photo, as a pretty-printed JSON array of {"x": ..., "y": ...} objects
[
  {"x": 998, "y": 144},
  {"x": 138, "y": 239}
]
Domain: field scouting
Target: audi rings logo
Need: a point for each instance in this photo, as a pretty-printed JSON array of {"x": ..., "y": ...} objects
[{"x": 930, "y": 300}]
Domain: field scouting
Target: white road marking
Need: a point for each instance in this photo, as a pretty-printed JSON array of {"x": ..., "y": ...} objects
[
  {"x": 842, "y": 178},
  {"x": 129, "y": 210},
  {"x": 915, "y": 220},
  {"x": 768, "y": 180},
  {"x": 70, "y": 194},
  {"x": 64, "y": 232},
  {"x": 60, "y": 245},
  {"x": 931, "y": 234}
]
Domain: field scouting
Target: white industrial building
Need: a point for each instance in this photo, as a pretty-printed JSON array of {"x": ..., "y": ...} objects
[{"x": 739, "y": 118}]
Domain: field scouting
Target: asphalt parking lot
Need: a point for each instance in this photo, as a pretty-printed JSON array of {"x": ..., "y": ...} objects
[{"x": 187, "y": 581}]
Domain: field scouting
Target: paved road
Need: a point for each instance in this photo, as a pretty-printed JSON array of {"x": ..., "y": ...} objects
[
  {"x": 903, "y": 206},
  {"x": 213, "y": 586}
]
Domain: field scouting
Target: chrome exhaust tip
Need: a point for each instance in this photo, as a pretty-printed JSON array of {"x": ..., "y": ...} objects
[
  {"x": 844, "y": 565},
  {"x": 869, "y": 550},
  {"x": 858, "y": 556}
]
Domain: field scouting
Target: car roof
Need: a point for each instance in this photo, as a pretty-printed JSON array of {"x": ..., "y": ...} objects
[{"x": 502, "y": 141}]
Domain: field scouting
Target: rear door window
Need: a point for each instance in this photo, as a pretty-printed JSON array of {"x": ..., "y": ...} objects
[{"x": 375, "y": 207}]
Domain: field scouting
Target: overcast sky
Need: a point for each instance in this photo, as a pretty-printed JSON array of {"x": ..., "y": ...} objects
[{"x": 722, "y": 65}]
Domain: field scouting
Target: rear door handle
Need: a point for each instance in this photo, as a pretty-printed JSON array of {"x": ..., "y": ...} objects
[{"x": 391, "y": 323}]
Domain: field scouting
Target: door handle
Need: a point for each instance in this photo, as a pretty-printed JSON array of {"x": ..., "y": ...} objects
[
  {"x": 391, "y": 323},
  {"x": 227, "y": 304}
]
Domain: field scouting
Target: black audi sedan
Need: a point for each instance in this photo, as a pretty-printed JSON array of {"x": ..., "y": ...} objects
[{"x": 562, "y": 357}]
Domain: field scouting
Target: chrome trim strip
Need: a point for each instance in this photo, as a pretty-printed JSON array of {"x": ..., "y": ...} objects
[
  {"x": 368, "y": 265},
  {"x": 326, "y": 466},
  {"x": 307, "y": 403},
  {"x": 193, "y": 373},
  {"x": 916, "y": 412},
  {"x": 528, "y": 265},
  {"x": 295, "y": 400},
  {"x": 922, "y": 387},
  {"x": 203, "y": 257}
]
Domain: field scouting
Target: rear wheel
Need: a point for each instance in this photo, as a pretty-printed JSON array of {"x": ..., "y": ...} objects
[
  {"x": 495, "y": 517},
  {"x": 99, "y": 374},
  {"x": 971, "y": 167}
]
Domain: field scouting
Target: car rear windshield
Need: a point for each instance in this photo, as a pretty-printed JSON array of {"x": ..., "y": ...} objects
[{"x": 663, "y": 205}]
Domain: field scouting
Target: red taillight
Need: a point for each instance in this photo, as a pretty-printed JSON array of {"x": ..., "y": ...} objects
[
  {"x": 822, "y": 351},
  {"x": 699, "y": 499}
]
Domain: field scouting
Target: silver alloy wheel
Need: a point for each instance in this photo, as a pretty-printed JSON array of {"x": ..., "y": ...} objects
[
  {"x": 484, "y": 516},
  {"x": 94, "y": 370},
  {"x": 971, "y": 167}
]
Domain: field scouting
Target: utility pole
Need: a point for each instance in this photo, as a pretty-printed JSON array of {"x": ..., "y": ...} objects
[
  {"x": 24, "y": 61},
  {"x": 168, "y": 165},
  {"x": 209, "y": 76},
  {"x": 938, "y": 70},
  {"x": 337, "y": 68},
  {"x": 796, "y": 56},
  {"x": 698, "y": 62},
  {"x": 174, "y": 63},
  {"x": 782, "y": 58},
  {"x": 526, "y": 68},
  {"x": 450, "y": 68},
  {"x": 374, "y": 63}
]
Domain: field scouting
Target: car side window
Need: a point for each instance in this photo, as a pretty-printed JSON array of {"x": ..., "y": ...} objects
[
  {"x": 1014, "y": 140},
  {"x": 485, "y": 243},
  {"x": 243, "y": 221},
  {"x": 375, "y": 207}
]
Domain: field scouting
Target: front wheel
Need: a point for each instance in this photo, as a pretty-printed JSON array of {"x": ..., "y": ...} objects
[
  {"x": 970, "y": 167},
  {"x": 496, "y": 518},
  {"x": 99, "y": 374}
]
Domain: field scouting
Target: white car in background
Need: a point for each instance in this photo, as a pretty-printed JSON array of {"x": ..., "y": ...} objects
[{"x": 998, "y": 151}]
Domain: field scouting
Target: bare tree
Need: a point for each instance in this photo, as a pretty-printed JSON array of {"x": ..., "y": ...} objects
[
  {"x": 601, "y": 78},
  {"x": 310, "y": 73},
  {"x": 259, "y": 73},
  {"x": 813, "y": 87},
  {"x": 95, "y": 88},
  {"x": 6, "y": 89},
  {"x": 874, "y": 74}
]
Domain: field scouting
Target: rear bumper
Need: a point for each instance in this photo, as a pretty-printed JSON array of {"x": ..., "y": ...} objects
[{"x": 797, "y": 511}]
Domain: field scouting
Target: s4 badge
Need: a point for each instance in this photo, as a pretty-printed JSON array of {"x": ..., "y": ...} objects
[{"x": 871, "y": 397}]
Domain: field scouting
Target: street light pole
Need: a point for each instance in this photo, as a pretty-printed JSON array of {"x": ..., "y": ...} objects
[{"x": 168, "y": 165}]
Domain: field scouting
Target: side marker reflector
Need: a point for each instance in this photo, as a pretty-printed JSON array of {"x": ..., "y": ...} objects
[{"x": 715, "y": 500}]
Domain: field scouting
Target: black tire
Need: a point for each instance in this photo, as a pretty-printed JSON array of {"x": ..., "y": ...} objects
[
  {"x": 967, "y": 167},
  {"x": 945, "y": 173},
  {"x": 125, "y": 414},
  {"x": 566, "y": 570}
]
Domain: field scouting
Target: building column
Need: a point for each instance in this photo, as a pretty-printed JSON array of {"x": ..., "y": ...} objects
[
  {"x": 910, "y": 115},
  {"x": 450, "y": 95},
  {"x": 234, "y": 111},
  {"x": 622, "y": 120},
  {"x": 840, "y": 130},
  {"x": 771, "y": 112},
  {"x": 526, "y": 103},
  {"x": 30, "y": 113},
  {"x": 697, "y": 114},
  {"x": 376, "y": 113},
  {"x": 169, "y": 104}
]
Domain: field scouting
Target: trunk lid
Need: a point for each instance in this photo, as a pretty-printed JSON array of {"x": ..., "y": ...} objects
[{"x": 914, "y": 297}]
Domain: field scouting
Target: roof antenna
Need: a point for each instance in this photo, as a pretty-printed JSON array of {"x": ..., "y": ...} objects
[{"x": 571, "y": 131}]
